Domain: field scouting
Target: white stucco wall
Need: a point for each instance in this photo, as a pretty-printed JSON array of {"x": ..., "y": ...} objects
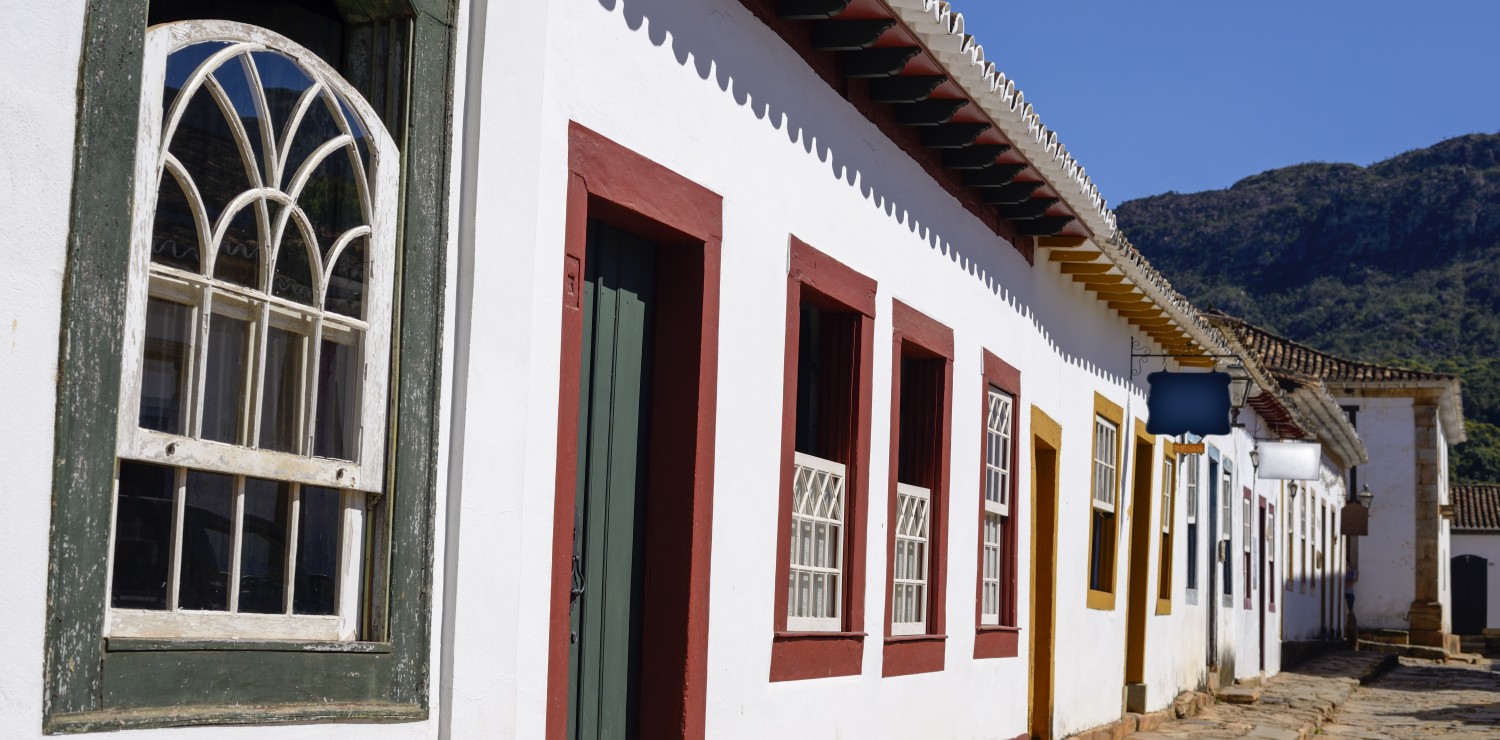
[
  {"x": 37, "y": 110},
  {"x": 1487, "y": 546},
  {"x": 1386, "y": 584}
]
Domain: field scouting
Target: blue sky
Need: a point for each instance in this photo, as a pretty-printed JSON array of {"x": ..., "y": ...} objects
[{"x": 1189, "y": 95}]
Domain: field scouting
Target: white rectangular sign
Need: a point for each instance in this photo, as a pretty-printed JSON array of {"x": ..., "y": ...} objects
[{"x": 1288, "y": 460}]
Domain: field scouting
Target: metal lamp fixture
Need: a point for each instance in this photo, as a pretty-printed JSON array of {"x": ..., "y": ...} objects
[
  {"x": 1239, "y": 391},
  {"x": 1291, "y": 492},
  {"x": 1255, "y": 458},
  {"x": 1366, "y": 497}
]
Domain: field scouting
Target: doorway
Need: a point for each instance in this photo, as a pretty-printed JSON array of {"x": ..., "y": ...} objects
[
  {"x": 637, "y": 404},
  {"x": 1046, "y": 440},
  {"x": 1140, "y": 567},
  {"x": 1470, "y": 590},
  {"x": 608, "y": 518}
]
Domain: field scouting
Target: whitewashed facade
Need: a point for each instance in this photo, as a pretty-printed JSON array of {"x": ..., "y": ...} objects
[{"x": 725, "y": 111}]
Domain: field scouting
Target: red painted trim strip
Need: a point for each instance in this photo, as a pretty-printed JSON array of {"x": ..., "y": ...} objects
[{"x": 613, "y": 184}]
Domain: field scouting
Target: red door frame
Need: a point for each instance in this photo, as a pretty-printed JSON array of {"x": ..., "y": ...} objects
[{"x": 613, "y": 184}]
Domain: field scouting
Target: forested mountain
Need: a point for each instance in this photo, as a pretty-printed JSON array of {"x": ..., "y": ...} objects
[{"x": 1396, "y": 263}]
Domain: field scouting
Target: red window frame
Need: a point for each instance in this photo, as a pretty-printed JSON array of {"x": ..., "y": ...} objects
[
  {"x": 1249, "y": 549},
  {"x": 999, "y": 641},
  {"x": 819, "y": 279},
  {"x": 915, "y": 336}
]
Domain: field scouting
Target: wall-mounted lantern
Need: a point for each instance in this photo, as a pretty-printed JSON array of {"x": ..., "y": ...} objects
[
  {"x": 1355, "y": 519},
  {"x": 1239, "y": 391}
]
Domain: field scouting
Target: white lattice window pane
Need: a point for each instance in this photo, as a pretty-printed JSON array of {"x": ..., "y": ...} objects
[
  {"x": 257, "y": 342},
  {"x": 990, "y": 603},
  {"x": 814, "y": 584},
  {"x": 1105, "y": 436},
  {"x": 1192, "y": 489},
  {"x": 909, "y": 571},
  {"x": 1245, "y": 524},
  {"x": 997, "y": 462},
  {"x": 1167, "y": 482}
]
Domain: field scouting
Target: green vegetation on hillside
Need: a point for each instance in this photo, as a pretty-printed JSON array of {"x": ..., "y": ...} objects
[{"x": 1396, "y": 263}]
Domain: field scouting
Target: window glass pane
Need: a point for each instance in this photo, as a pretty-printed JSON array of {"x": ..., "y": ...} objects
[
  {"x": 238, "y": 259},
  {"x": 263, "y": 548},
  {"x": 280, "y": 415},
  {"x": 293, "y": 278},
  {"x": 331, "y": 197},
  {"x": 143, "y": 536},
  {"x": 164, "y": 368},
  {"x": 174, "y": 235},
  {"x": 207, "y": 520},
  {"x": 337, "y": 432},
  {"x": 231, "y": 75},
  {"x": 284, "y": 82},
  {"x": 346, "y": 286},
  {"x": 181, "y": 64},
  {"x": 317, "y": 551},
  {"x": 224, "y": 379},
  {"x": 207, "y": 149}
]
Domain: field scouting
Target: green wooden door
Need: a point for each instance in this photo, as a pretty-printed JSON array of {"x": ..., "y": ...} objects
[{"x": 614, "y": 401}]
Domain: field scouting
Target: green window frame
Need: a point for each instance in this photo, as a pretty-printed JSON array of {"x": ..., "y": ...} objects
[{"x": 97, "y": 683}]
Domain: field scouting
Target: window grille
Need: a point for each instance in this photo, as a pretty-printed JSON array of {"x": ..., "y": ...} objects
[
  {"x": 909, "y": 595},
  {"x": 1192, "y": 521},
  {"x": 815, "y": 580},
  {"x": 997, "y": 495},
  {"x": 1106, "y": 451},
  {"x": 1167, "y": 481},
  {"x": 257, "y": 344}
]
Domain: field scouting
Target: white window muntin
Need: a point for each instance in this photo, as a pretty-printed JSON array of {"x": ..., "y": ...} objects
[
  {"x": 1106, "y": 451},
  {"x": 997, "y": 462},
  {"x": 379, "y": 191},
  {"x": 990, "y": 603},
  {"x": 913, "y": 551},
  {"x": 1247, "y": 515},
  {"x": 1167, "y": 482},
  {"x": 376, "y": 171},
  {"x": 815, "y": 579},
  {"x": 1192, "y": 489},
  {"x": 998, "y": 470}
]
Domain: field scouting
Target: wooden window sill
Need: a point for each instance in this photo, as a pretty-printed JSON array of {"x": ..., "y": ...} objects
[
  {"x": 131, "y": 644},
  {"x": 1101, "y": 600},
  {"x": 1163, "y": 607},
  {"x": 905, "y": 655},
  {"x": 996, "y": 641},
  {"x": 798, "y": 656}
]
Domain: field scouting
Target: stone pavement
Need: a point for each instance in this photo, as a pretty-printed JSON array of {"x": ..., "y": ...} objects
[
  {"x": 1421, "y": 698},
  {"x": 1292, "y": 705}
]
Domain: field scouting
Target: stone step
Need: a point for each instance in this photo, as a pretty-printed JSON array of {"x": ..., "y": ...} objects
[{"x": 1239, "y": 694}]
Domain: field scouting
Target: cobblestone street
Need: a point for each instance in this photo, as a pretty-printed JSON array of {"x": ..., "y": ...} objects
[
  {"x": 1424, "y": 699},
  {"x": 1354, "y": 695}
]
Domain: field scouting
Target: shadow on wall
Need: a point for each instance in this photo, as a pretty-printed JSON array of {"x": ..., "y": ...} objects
[{"x": 701, "y": 35}]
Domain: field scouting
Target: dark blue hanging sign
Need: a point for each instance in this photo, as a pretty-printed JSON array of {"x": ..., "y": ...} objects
[{"x": 1188, "y": 402}]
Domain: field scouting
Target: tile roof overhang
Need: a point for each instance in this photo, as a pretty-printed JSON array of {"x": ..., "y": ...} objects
[
  {"x": 915, "y": 57},
  {"x": 1295, "y": 406},
  {"x": 1476, "y": 508},
  {"x": 1341, "y": 375}
]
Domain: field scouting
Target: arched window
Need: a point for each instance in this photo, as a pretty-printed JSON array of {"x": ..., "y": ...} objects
[{"x": 258, "y": 342}]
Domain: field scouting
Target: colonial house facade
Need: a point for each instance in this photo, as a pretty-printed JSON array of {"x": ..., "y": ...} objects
[
  {"x": 595, "y": 368},
  {"x": 1407, "y": 419},
  {"x": 1475, "y": 566}
]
